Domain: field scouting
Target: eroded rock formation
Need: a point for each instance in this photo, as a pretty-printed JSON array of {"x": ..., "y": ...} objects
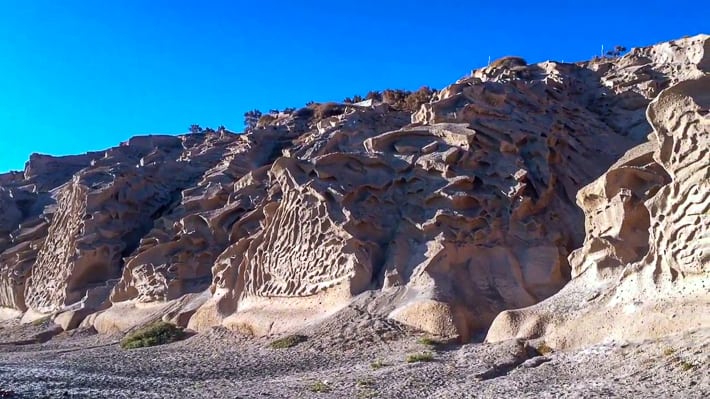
[
  {"x": 457, "y": 212},
  {"x": 645, "y": 263}
]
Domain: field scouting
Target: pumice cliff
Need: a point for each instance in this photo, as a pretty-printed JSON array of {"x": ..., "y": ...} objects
[{"x": 492, "y": 195}]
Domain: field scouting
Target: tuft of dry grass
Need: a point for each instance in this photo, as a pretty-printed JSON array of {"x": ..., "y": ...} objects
[
  {"x": 378, "y": 364},
  {"x": 686, "y": 366},
  {"x": 431, "y": 342},
  {"x": 365, "y": 382},
  {"x": 40, "y": 321},
  {"x": 544, "y": 349},
  {"x": 319, "y": 387},
  {"x": 420, "y": 357}
]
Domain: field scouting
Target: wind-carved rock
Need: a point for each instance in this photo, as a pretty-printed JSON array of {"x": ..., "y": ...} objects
[
  {"x": 449, "y": 215},
  {"x": 169, "y": 271},
  {"x": 99, "y": 219},
  {"x": 27, "y": 206},
  {"x": 645, "y": 263}
]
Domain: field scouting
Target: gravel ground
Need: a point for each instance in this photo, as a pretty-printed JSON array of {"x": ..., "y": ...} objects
[{"x": 330, "y": 364}]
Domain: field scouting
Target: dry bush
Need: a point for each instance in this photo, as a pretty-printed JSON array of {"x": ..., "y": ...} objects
[
  {"x": 508, "y": 62},
  {"x": 265, "y": 120},
  {"x": 395, "y": 98},
  {"x": 304, "y": 113},
  {"x": 326, "y": 110},
  {"x": 415, "y": 100},
  {"x": 374, "y": 95}
]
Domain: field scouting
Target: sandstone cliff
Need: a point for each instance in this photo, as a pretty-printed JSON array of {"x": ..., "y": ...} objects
[
  {"x": 452, "y": 214},
  {"x": 645, "y": 263}
]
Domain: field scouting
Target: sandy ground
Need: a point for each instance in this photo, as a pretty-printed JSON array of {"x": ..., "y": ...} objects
[{"x": 364, "y": 360}]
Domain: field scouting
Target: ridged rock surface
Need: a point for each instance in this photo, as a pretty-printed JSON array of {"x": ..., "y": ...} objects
[
  {"x": 646, "y": 260},
  {"x": 454, "y": 213}
]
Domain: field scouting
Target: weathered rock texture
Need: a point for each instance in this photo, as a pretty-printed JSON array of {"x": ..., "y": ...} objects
[
  {"x": 645, "y": 264},
  {"x": 454, "y": 213}
]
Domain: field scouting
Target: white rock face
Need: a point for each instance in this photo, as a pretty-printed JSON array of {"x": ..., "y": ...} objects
[{"x": 454, "y": 213}]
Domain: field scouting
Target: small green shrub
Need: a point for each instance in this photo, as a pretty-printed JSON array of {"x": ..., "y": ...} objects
[
  {"x": 365, "y": 382},
  {"x": 288, "y": 342},
  {"x": 430, "y": 341},
  {"x": 158, "y": 333},
  {"x": 420, "y": 357},
  {"x": 668, "y": 351},
  {"x": 686, "y": 366},
  {"x": 320, "y": 387},
  {"x": 378, "y": 364}
]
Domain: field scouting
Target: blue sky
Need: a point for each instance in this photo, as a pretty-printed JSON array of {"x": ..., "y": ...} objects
[{"x": 77, "y": 76}]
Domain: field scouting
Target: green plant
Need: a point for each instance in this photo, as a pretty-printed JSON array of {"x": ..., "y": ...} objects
[
  {"x": 158, "y": 333},
  {"x": 319, "y": 387},
  {"x": 420, "y": 357},
  {"x": 686, "y": 366},
  {"x": 378, "y": 364},
  {"x": 251, "y": 118},
  {"x": 668, "y": 351},
  {"x": 288, "y": 341},
  {"x": 365, "y": 382},
  {"x": 366, "y": 388},
  {"x": 428, "y": 341}
]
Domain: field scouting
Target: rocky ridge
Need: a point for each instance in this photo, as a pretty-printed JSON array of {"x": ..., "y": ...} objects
[{"x": 449, "y": 215}]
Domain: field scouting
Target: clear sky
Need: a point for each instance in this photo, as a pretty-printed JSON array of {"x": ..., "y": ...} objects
[{"x": 85, "y": 75}]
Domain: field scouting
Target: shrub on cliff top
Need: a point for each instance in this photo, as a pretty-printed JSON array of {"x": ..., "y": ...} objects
[
  {"x": 265, "y": 120},
  {"x": 407, "y": 100},
  {"x": 327, "y": 110},
  {"x": 508, "y": 62},
  {"x": 251, "y": 118},
  {"x": 415, "y": 100}
]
